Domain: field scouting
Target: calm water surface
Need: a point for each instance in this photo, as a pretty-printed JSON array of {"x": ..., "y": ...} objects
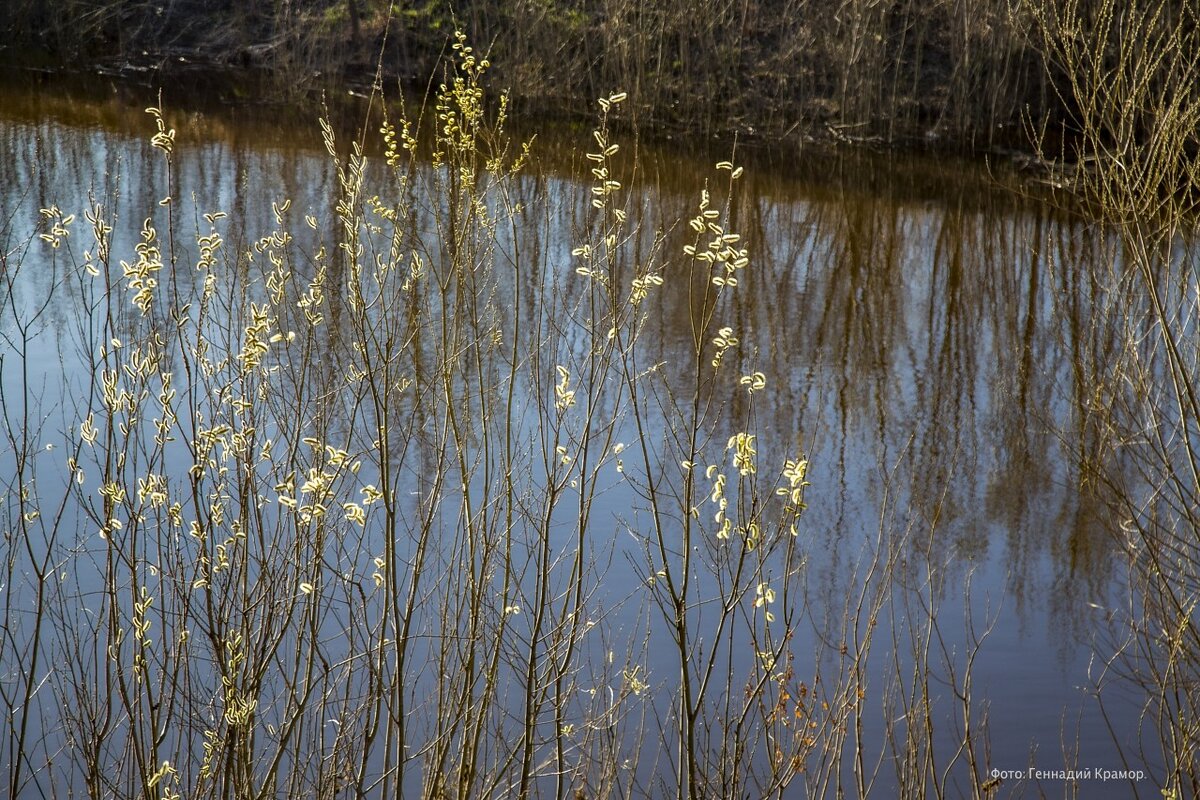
[{"x": 903, "y": 307}]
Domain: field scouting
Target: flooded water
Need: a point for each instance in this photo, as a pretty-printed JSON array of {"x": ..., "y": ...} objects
[{"x": 906, "y": 310}]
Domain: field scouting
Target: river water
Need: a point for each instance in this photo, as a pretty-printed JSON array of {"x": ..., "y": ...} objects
[{"x": 907, "y": 311}]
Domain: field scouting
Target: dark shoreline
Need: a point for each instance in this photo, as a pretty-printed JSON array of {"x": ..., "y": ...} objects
[
  {"x": 209, "y": 87},
  {"x": 965, "y": 78},
  {"x": 232, "y": 99}
]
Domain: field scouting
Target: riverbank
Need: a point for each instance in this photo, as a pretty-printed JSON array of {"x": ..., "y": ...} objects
[
  {"x": 207, "y": 102},
  {"x": 966, "y": 76}
]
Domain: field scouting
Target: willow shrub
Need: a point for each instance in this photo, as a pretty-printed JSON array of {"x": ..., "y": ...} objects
[
  {"x": 1129, "y": 72},
  {"x": 330, "y": 510}
]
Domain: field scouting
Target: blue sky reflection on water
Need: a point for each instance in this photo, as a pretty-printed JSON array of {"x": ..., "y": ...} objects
[{"x": 903, "y": 318}]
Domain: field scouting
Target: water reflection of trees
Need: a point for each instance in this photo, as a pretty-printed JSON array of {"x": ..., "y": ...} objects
[
  {"x": 906, "y": 324},
  {"x": 904, "y": 309},
  {"x": 907, "y": 320},
  {"x": 919, "y": 331}
]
